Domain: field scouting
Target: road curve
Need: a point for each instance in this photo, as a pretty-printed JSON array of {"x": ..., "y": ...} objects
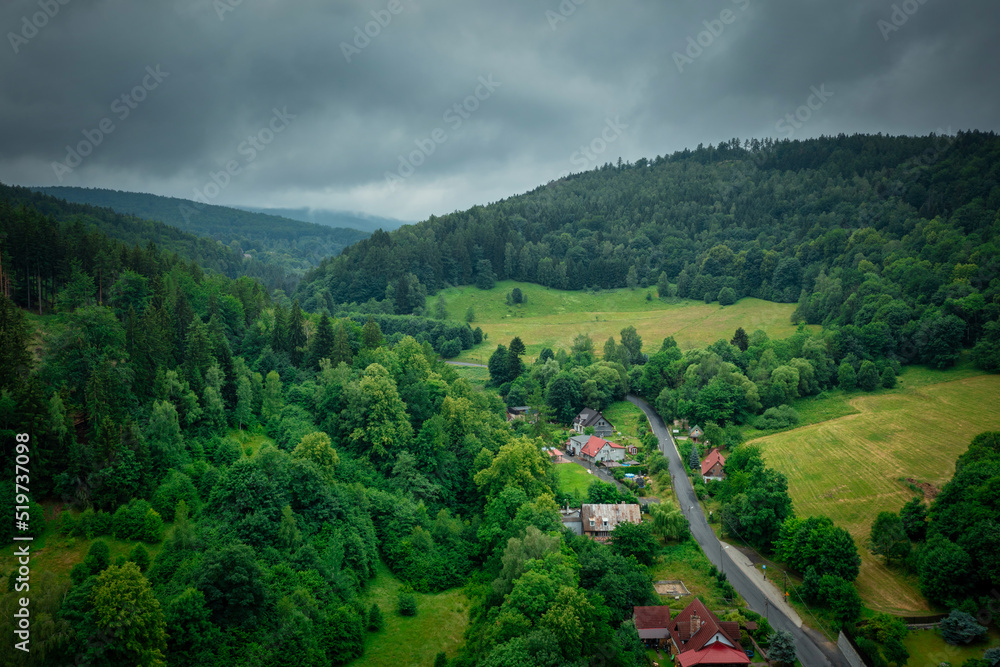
[{"x": 812, "y": 648}]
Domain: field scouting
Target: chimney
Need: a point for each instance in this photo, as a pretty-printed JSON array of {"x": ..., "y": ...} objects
[{"x": 695, "y": 623}]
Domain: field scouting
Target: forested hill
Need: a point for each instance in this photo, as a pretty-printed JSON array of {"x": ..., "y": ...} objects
[
  {"x": 33, "y": 250},
  {"x": 293, "y": 245},
  {"x": 361, "y": 221},
  {"x": 831, "y": 221}
]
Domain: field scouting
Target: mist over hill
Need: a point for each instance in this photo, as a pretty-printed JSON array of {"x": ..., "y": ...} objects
[{"x": 291, "y": 244}]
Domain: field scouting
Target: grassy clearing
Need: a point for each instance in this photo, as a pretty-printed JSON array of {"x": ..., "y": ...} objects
[
  {"x": 573, "y": 478},
  {"x": 835, "y": 403},
  {"x": 552, "y": 318},
  {"x": 627, "y": 419},
  {"x": 848, "y": 468},
  {"x": 477, "y": 377},
  {"x": 413, "y": 641},
  {"x": 928, "y": 649},
  {"x": 687, "y": 562},
  {"x": 57, "y": 554}
]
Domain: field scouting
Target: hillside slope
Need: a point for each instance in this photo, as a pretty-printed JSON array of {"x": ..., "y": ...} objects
[
  {"x": 849, "y": 227},
  {"x": 291, "y": 244}
]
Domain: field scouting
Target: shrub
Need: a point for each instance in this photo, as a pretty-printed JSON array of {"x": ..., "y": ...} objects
[
  {"x": 101, "y": 524},
  {"x": 407, "y": 602},
  {"x": 129, "y": 521},
  {"x": 961, "y": 628},
  {"x": 727, "y": 296},
  {"x": 140, "y": 556},
  {"x": 67, "y": 523},
  {"x": 152, "y": 528},
  {"x": 451, "y": 348},
  {"x": 375, "y": 620},
  {"x": 782, "y": 416}
]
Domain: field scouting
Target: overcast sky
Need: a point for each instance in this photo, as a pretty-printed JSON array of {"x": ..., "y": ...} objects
[{"x": 158, "y": 96}]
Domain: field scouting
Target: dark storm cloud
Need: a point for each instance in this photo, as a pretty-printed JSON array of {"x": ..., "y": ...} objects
[{"x": 564, "y": 73}]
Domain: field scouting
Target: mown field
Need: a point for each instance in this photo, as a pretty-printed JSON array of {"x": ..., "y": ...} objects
[
  {"x": 552, "y": 318},
  {"x": 413, "y": 641},
  {"x": 850, "y": 467}
]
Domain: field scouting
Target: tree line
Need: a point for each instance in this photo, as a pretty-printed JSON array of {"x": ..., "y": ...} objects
[{"x": 890, "y": 238}]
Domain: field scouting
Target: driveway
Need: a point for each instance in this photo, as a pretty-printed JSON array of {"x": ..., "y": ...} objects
[{"x": 813, "y": 649}]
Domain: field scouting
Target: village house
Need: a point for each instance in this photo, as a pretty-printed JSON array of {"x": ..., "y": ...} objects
[
  {"x": 522, "y": 412},
  {"x": 599, "y": 450},
  {"x": 696, "y": 433},
  {"x": 554, "y": 454},
  {"x": 651, "y": 624},
  {"x": 711, "y": 467},
  {"x": 599, "y": 520},
  {"x": 698, "y": 637},
  {"x": 589, "y": 418},
  {"x": 575, "y": 443},
  {"x": 632, "y": 449}
]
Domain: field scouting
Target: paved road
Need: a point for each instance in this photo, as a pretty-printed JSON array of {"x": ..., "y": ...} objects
[{"x": 813, "y": 649}]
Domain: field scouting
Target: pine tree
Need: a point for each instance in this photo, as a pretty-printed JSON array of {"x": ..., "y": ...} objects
[
  {"x": 341, "y": 346},
  {"x": 741, "y": 340},
  {"x": 321, "y": 345},
  {"x": 243, "y": 415},
  {"x": 296, "y": 334},
  {"x": 371, "y": 334},
  {"x": 197, "y": 355},
  {"x": 693, "y": 459},
  {"x": 279, "y": 334},
  {"x": 272, "y": 402}
]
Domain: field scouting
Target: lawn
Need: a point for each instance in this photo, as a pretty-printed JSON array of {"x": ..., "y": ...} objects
[
  {"x": 626, "y": 417},
  {"x": 413, "y": 641},
  {"x": 928, "y": 649},
  {"x": 552, "y": 318},
  {"x": 474, "y": 375},
  {"x": 573, "y": 478},
  {"x": 687, "y": 562},
  {"x": 849, "y": 468}
]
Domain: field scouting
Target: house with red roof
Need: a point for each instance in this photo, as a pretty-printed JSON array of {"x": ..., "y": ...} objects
[
  {"x": 711, "y": 467},
  {"x": 651, "y": 624},
  {"x": 698, "y": 637},
  {"x": 599, "y": 450}
]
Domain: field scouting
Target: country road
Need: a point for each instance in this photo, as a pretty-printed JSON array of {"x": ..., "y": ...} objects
[
  {"x": 812, "y": 648},
  {"x": 465, "y": 363}
]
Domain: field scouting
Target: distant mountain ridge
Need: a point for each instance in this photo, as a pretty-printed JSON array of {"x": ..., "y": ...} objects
[
  {"x": 294, "y": 245},
  {"x": 330, "y": 218}
]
